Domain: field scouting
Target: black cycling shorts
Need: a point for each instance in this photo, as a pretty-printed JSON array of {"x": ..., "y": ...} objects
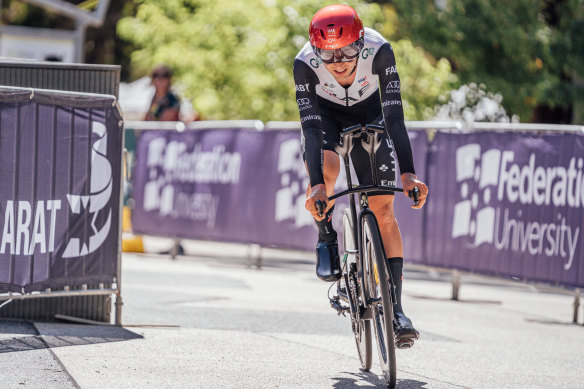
[{"x": 333, "y": 124}]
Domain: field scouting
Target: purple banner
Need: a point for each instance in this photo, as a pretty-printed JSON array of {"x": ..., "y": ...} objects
[
  {"x": 60, "y": 164},
  {"x": 236, "y": 185},
  {"x": 221, "y": 185},
  {"x": 509, "y": 204},
  {"x": 411, "y": 222}
]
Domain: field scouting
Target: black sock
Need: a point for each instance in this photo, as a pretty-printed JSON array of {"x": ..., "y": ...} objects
[
  {"x": 326, "y": 232},
  {"x": 396, "y": 265}
]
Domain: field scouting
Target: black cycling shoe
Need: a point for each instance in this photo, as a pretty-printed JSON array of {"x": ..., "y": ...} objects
[
  {"x": 405, "y": 332},
  {"x": 328, "y": 263}
]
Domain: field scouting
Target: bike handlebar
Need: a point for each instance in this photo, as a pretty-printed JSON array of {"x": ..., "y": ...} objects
[{"x": 413, "y": 194}]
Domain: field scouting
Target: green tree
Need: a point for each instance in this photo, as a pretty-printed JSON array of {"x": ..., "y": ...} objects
[
  {"x": 531, "y": 51},
  {"x": 234, "y": 58}
]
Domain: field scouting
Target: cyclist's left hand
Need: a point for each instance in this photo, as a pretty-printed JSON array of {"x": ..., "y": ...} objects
[{"x": 409, "y": 182}]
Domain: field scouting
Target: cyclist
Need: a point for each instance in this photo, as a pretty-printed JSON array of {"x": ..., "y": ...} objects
[{"x": 347, "y": 75}]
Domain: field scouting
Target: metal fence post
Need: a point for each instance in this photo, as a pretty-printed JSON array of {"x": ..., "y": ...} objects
[
  {"x": 456, "y": 279},
  {"x": 255, "y": 255},
  {"x": 576, "y": 304}
]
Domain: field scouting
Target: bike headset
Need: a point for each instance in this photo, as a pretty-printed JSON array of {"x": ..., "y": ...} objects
[{"x": 336, "y": 34}]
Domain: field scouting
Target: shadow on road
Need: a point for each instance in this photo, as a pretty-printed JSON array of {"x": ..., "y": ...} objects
[
  {"x": 366, "y": 379},
  {"x": 550, "y": 322},
  {"x": 55, "y": 335},
  {"x": 469, "y": 301}
]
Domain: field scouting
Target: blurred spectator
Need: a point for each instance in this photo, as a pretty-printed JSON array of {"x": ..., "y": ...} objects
[{"x": 165, "y": 105}]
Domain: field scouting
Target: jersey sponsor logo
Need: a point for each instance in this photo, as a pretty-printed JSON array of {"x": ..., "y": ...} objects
[
  {"x": 392, "y": 102},
  {"x": 367, "y": 52},
  {"x": 315, "y": 62},
  {"x": 363, "y": 89},
  {"x": 302, "y": 88},
  {"x": 393, "y": 87},
  {"x": 329, "y": 88},
  {"x": 487, "y": 178},
  {"x": 387, "y": 183},
  {"x": 362, "y": 80},
  {"x": 390, "y": 70},
  {"x": 303, "y": 104},
  {"x": 310, "y": 117}
]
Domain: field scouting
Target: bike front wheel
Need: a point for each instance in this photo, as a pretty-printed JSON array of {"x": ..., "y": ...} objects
[
  {"x": 361, "y": 327},
  {"x": 377, "y": 279}
]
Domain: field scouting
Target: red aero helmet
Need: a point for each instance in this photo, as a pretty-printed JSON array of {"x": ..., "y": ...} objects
[{"x": 334, "y": 27}]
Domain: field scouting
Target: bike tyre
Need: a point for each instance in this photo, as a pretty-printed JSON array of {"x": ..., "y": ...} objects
[
  {"x": 382, "y": 319},
  {"x": 362, "y": 337}
]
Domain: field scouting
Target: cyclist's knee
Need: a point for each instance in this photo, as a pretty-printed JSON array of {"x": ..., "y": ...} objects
[{"x": 383, "y": 209}]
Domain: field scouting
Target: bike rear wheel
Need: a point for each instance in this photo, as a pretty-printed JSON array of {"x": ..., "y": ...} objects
[
  {"x": 361, "y": 327},
  {"x": 377, "y": 279}
]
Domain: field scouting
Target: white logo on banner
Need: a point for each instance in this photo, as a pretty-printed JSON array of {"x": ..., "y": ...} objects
[
  {"x": 484, "y": 177},
  {"x": 98, "y": 197},
  {"x": 170, "y": 163},
  {"x": 294, "y": 180}
]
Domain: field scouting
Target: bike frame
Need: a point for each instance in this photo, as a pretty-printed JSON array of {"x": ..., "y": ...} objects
[{"x": 371, "y": 144}]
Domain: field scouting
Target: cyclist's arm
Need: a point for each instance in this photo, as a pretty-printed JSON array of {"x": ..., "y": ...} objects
[
  {"x": 392, "y": 110},
  {"x": 310, "y": 120}
]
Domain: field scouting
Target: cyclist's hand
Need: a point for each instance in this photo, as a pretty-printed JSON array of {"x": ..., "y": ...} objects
[
  {"x": 317, "y": 192},
  {"x": 409, "y": 182}
]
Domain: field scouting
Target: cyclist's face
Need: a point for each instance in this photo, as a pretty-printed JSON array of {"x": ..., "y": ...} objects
[{"x": 342, "y": 71}]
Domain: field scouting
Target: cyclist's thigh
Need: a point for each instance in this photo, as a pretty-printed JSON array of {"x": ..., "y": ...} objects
[{"x": 383, "y": 159}]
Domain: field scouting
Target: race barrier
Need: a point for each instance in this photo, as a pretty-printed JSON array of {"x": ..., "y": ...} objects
[
  {"x": 61, "y": 155},
  {"x": 501, "y": 203},
  {"x": 508, "y": 204},
  {"x": 235, "y": 184}
]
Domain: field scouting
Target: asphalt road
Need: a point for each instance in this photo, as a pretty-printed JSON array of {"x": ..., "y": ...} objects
[{"x": 202, "y": 322}]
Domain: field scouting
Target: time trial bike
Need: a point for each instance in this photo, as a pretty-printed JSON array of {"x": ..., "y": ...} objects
[{"x": 366, "y": 285}]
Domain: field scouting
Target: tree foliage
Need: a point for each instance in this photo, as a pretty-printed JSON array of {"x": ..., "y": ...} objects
[
  {"x": 234, "y": 58},
  {"x": 531, "y": 51}
]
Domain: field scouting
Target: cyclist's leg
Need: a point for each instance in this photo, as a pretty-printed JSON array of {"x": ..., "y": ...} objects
[{"x": 382, "y": 207}]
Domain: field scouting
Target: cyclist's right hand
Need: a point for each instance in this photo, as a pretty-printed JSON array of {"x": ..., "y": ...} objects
[{"x": 317, "y": 193}]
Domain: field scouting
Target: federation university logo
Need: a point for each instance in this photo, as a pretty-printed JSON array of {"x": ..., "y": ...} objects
[
  {"x": 499, "y": 197},
  {"x": 477, "y": 177}
]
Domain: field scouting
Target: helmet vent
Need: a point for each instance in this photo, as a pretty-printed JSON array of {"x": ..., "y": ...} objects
[
  {"x": 322, "y": 33},
  {"x": 340, "y": 33}
]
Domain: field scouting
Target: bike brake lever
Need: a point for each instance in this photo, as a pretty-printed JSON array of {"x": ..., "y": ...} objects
[{"x": 415, "y": 195}]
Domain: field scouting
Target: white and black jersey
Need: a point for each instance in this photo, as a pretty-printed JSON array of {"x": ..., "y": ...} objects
[{"x": 326, "y": 107}]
